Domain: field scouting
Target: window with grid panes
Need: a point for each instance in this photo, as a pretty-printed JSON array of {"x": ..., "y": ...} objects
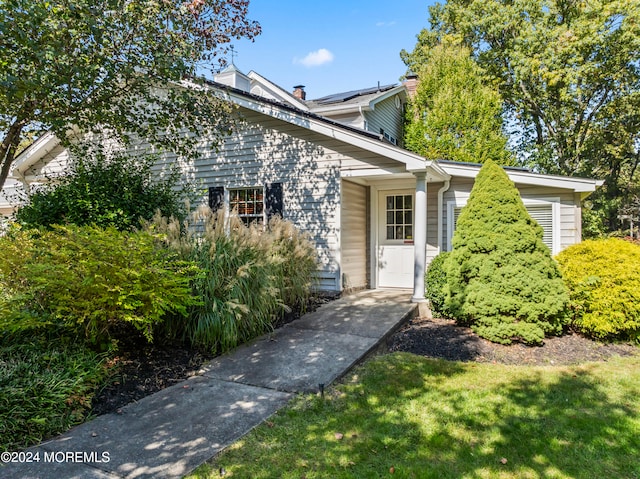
[
  {"x": 399, "y": 217},
  {"x": 248, "y": 204}
]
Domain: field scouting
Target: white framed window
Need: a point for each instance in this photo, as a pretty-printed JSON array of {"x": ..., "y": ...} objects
[
  {"x": 388, "y": 137},
  {"x": 253, "y": 204},
  {"x": 546, "y": 211},
  {"x": 248, "y": 204},
  {"x": 399, "y": 213}
]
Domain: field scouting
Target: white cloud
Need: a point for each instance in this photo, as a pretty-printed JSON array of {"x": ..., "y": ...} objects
[{"x": 315, "y": 59}]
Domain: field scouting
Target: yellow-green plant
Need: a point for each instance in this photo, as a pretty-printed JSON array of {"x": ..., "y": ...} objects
[
  {"x": 603, "y": 277},
  {"x": 90, "y": 279}
]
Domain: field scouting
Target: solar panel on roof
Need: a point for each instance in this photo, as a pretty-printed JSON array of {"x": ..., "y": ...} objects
[{"x": 348, "y": 95}]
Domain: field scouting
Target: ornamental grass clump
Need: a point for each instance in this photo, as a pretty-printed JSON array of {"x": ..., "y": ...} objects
[
  {"x": 603, "y": 277},
  {"x": 250, "y": 276},
  {"x": 501, "y": 278}
]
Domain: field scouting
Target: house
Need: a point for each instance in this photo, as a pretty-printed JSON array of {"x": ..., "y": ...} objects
[{"x": 335, "y": 167}]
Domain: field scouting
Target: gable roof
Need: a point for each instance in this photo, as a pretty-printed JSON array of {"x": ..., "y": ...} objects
[
  {"x": 325, "y": 126},
  {"x": 262, "y": 82},
  {"x": 355, "y": 100},
  {"x": 350, "y": 96},
  {"x": 368, "y": 141}
]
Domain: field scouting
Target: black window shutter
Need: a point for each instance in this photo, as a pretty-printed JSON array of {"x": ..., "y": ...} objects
[
  {"x": 273, "y": 200},
  {"x": 216, "y": 197}
]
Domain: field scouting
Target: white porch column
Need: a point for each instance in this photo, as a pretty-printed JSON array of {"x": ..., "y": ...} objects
[{"x": 420, "y": 237}]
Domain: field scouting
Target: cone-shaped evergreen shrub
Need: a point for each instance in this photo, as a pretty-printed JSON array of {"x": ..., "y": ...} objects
[{"x": 501, "y": 279}]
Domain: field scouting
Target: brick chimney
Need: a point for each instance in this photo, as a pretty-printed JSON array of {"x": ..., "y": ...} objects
[
  {"x": 411, "y": 83},
  {"x": 299, "y": 93}
]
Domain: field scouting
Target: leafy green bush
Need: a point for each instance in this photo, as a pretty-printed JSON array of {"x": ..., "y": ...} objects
[
  {"x": 250, "y": 276},
  {"x": 90, "y": 279},
  {"x": 501, "y": 277},
  {"x": 603, "y": 277},
  {"x": 106, "y": 190},
  {"x": 436, "y": 282},
  {"x": 46, "y": 387}
]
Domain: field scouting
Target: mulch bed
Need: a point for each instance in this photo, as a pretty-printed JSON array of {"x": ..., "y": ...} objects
[
  {"x": 143, "y": 368},
  {"x": 442, "y": 338}
]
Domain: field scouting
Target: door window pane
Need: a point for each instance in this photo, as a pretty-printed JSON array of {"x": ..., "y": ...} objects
[
  {"x": 399, "y": 217},
  {"x": 389, "y": 203}
]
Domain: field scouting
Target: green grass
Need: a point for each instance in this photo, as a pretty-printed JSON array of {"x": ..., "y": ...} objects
[
  {"x": 429, "y": 418},
  {"x": 46, "y": 386}
]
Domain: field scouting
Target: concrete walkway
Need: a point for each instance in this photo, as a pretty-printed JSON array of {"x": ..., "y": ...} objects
[{"x": 170, "y": 433}]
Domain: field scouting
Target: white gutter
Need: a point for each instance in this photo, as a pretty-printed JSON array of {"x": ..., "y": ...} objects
[{"x": 579, "y": 185}]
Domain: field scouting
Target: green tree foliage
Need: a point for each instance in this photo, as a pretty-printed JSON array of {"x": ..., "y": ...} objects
[
  {"x": 569, "y": 76},
  {"x": 85, "y": 64},
  {"x": 603, "y": 277},
  {"x": 106, "y": 190},
  {"x": 454, "y": 115},
  {"x": 89, "y": 280},
  {"x": 501, "y": 277}
]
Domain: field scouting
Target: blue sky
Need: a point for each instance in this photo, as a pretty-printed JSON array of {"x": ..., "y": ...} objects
[{"x": 331, "y": 46}]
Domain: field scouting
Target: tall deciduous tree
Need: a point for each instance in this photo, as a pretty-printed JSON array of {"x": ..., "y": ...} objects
[
  {"x": 114, "y": 64},
  {"x": 568, "y": 71},
  {"x": 454, "y": 114}
]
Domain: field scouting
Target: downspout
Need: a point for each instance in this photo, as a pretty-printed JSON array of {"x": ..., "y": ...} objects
[
  {"x": 364, "y": 120},
  {"x": 441, "y": 192}
]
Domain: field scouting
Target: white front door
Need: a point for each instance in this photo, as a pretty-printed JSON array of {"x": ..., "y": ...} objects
[{"x": 395, "y": 238}]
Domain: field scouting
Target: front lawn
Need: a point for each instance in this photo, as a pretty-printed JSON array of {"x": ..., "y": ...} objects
[{"x": 415, "y": 417}]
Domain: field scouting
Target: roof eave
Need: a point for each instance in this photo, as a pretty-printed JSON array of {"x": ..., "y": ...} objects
[
  {"x": 34, "y": 153},
  {"x": 325, "y": 126},
  {"x": 578, "y": 185}
]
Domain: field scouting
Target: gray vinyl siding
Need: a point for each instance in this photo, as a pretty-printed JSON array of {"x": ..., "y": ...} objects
[
  {"x": 569, "y": 207},
  {"x": 307, "y": 164},
  {"x": 386, "y": 116},
  {"x": 353, "y": 218},
  {"x": 432, "y": 220},
  {"x": 459, "y": 188},
  {"x": 570, "y": 214},
  {"x": 352, "y": 119}
]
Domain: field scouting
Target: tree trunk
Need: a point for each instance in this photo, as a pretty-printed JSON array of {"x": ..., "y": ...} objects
[{"x": 8, "y": 150}]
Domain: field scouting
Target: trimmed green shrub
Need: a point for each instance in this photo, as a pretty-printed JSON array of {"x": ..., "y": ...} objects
[
  {"x": 603, "y": 277},
  {"x": 436, "y": 282},
  {"x": 501, "y": 278},
  {"x": 90, "y": 279},
  {"x": 249, "y": 276},
  {"x": 106, "y": 190}
]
